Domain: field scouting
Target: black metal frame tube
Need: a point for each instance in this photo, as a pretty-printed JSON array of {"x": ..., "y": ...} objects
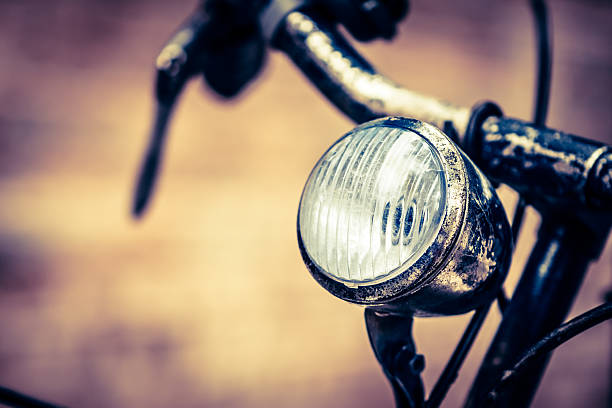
[{"x": 540, "y": 303}]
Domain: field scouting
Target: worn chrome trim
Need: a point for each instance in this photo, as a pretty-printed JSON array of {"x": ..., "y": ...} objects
[{"x": 468, "y": 258}]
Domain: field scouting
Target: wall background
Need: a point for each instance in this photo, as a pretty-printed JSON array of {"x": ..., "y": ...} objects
[{"x": 206, "y": 301}]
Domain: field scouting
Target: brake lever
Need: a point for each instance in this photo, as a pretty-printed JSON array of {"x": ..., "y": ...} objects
[
  {"x": 223, "y": 42},
  {"x": 178, "y": 61}
]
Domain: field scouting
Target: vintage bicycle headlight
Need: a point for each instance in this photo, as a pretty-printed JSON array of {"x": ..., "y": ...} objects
[{"x": 395, "y": 214}]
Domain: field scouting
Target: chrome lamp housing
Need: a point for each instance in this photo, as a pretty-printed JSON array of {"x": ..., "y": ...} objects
[{"x": 396, "y": 216}]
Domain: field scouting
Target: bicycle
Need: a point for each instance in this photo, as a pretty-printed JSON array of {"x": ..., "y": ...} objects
[
  {"x": 508, "y": 151},
  {"x": 397, "y": 377}
]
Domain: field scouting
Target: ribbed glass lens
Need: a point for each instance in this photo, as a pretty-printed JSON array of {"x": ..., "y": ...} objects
[{"x": 372, "y": 204}]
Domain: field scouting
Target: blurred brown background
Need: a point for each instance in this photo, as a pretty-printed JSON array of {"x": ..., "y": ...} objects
[{"x": 206, "y": 301}]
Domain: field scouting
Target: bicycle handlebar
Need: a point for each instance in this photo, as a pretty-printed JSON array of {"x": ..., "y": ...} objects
[
  {"x": 559, "y": 167},
  {"x": 546, "y": 164},
  {"x": 350, "y": 82}
]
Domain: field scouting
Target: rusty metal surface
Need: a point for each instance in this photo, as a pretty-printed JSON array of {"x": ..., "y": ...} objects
[
  {"x": 353, "y": 85},
  {"x": 547, "y": 164},
  {"x": 479, "y": 262}
]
